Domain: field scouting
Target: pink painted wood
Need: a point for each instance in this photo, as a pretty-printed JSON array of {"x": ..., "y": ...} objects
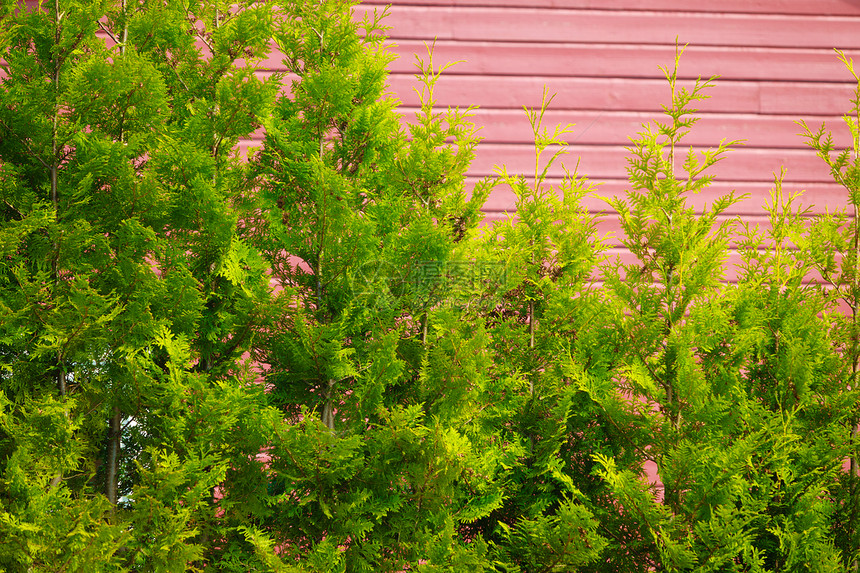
[
  {"x": 825, "y": 7},
  {"x": 602, "y": 59}
]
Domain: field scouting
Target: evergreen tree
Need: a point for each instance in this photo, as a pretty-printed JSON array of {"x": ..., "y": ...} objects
[
  {"x": 540, "y": 321},
  {"x": 829, "y": 245},
  {"x": 727, "y": 389},
  {"x": 365, "y": 232},
  {"x": 127, "y": 295}
]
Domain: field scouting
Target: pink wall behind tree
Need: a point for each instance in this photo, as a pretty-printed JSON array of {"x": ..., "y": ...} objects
[{"x": 603, "y": 58}]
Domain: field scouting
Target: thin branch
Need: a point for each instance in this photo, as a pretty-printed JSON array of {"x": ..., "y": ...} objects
[{"x": 109, "y": 33}]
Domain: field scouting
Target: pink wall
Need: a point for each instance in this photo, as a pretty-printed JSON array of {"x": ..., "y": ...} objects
[{"x": 602, "y": 58}]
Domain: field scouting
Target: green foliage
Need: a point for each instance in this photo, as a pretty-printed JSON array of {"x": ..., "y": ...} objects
[
  {"x": 830, "y": 246},
  {"x": 127, "y": 296},
  {"x": 310, "y": 358},
  {"x": 728, "y": 389}
]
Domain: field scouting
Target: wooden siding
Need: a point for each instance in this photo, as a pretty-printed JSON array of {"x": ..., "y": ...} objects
[{"x": 602, "y": 59}]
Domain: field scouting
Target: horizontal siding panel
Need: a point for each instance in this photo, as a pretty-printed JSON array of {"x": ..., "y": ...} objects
[
  {"x": 604, "y": 162},
  {"x": 825, "y": 7},
  {"x": 818, "y": 197},
  {"x": 814, "y": 101},
  {"x": 615, "y": 253},
  {"x": 613, "y": 128},
  {"x": 632, "y": 94},
  {"x": 514, "y": 92},
  {"x": 731, "y": 267},
  {"x": 807, "y": 99},
  {"x": 611, "y": 27},
  {"x": 609, "y": 228},
  {"x": 625, "y": 61}
]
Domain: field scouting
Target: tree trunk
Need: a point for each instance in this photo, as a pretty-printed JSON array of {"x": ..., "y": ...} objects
[
  {"x": 328, "y": 408},
  {"x": 114, "y": 444}
]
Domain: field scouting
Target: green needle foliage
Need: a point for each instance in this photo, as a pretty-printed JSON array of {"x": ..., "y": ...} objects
[
  {"x": 727, "y": 389},
  {"x": 382, "y": 457},
  {"x": 128, "y": 296},
  {"x": 536, "y": 319},
  {"x": 830, "y": 246},
  {"x": 310, "y": 357}
]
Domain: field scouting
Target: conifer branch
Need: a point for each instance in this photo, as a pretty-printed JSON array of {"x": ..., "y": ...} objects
[{"x": 110, "y": 34}]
